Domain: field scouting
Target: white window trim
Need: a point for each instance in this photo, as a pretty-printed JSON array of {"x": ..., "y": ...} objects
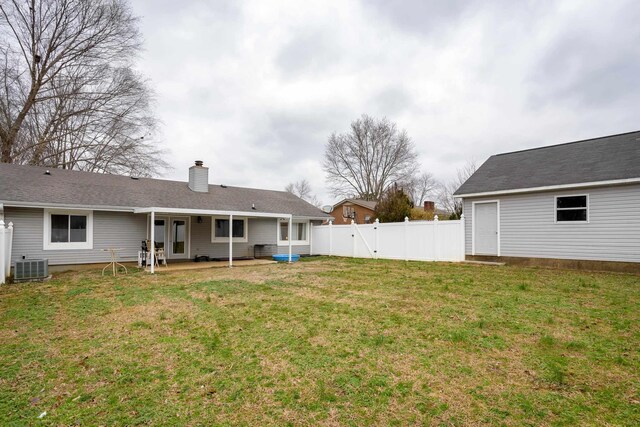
[
  {"x": 555, "y": 209},
  {"x": 293, "y": 242},
  {"x": 47, "y": 245},
  {"x": 215, "y": 239}
]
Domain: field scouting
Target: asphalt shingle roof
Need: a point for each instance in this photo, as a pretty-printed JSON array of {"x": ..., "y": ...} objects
[
  {"x": 30, "y": 184},
  {"x": 364, "y": 203},
  {"x": 593, "y": 160}
]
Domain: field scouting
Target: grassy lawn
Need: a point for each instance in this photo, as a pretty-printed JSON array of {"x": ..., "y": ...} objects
[{"x": 323, "y": 341}]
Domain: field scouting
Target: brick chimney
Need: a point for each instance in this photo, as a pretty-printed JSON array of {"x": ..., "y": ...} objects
[
  {"x": 199, "y": 178},
  {"x": 429, "y": 206}
]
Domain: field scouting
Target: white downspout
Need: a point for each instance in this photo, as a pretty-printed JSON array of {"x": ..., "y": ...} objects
[
  {"x": 153, "y": 241},
  {"x": 290, "y": 230},
  {"x": 230, "y": 241}
]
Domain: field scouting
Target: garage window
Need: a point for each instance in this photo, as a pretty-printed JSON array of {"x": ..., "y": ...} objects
[{"x": 572, "y": 208}]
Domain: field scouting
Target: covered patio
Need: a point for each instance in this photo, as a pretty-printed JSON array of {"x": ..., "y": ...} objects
[
  {"x": 228, "y": 229},
  {"x": 190, "y": 265}
]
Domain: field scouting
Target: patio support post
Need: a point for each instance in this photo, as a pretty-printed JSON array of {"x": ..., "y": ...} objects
[
  {"x": 230, "y": 241},
  {"x": 152, "y": 249},
  {"x": 290, "y": 230}
]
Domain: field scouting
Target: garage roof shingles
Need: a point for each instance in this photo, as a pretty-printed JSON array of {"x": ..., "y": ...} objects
[
  {"x": 607, "y": 158},
  {"x": 30, "y": 184}
]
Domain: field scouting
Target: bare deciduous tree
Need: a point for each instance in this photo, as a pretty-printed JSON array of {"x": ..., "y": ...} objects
[
  {"x": 445, "y": 195},
  {"x": 369, "y": 158},
  {"x": 420, "y": 187},
  {"x": 303, "y": 190},
  {"x": 68, "y": 95}
]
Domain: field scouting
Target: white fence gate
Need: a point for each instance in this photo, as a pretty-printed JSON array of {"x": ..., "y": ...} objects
[
  {"x": 409, "y": 240},
  {"x": 6, "y": 240}
]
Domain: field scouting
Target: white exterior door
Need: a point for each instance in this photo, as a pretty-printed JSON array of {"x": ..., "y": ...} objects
[
  {"x": 485, "y": 228},
  {"x": 179, "y": 237}
]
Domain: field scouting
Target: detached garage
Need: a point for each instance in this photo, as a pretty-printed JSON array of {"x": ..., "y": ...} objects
[{"x": 573, "y": 205}]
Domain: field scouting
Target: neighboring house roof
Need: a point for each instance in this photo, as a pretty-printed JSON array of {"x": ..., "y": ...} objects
[
  {"x": 441, "y": 212},
  {"x": 364, "y": 203},
  {"x": 30, "y": 184},
  {"x": 607, "y": 159}
]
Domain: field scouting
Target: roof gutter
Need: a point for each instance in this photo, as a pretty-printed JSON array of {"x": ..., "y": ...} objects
[
  {"x": 211, "y": 212},
  {"x": 15, "y": 204},
  {"x": 37, "y": 205},
  {"x": 551, "y": 188},
  {"x": 319, "y": 218}
]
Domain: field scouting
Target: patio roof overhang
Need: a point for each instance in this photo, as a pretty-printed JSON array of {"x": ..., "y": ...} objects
[
  {"x": 183, "y": 211},
  {"x": 250, "y": 214},
  {"x": 152, "y": 211}
]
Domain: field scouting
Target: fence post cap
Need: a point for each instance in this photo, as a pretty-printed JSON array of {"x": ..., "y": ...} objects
[
  {"x": 330, "y": 221},
  {"x": 1, "y": 223},
  {"x": 353, "y": 222},
  {"x": 435, "y": 218},
  {"x": 377, "y": 221},
  {"x": 10, "y": 224},
  {"x": 406, "y": 219},
  {"x": 461, "y": 216}
]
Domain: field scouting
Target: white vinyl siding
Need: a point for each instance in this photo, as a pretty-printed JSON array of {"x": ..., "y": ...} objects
[
  {"x": 199, "y": 178},
  {"x": 528, "y": 226},
  {"x": 261, "y": 231},
  {"x": 110, "y": 230},
  {"x": 127, "y": 230}
]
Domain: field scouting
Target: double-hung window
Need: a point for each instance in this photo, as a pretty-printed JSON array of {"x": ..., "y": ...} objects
[
  {"x": 572, "y": 208},
  {"x": 220, "y": 229},
  {"x": 348, "y": 212},
  {"x": 68, "y": 230},
  {"x": 299, "y": 232}
]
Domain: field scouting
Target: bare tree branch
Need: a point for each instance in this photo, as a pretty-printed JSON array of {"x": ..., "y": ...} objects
[
  {"x": 68, "y": 95},
  {"x": 367, "y": 160},
  {"x": 445, "y": 194},
  {"x": 420, "y": 187},
  {"x": 303, "y": 190}
]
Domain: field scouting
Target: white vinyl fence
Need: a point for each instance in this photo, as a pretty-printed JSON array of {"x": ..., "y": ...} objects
[
  {"x": 409, "y": 240},
  {"x": 6, "y": 239}
]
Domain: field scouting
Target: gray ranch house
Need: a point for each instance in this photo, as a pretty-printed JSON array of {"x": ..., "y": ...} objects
[
  {"x": 72, "y": 217},
  {"x": 575, "y": 205}
]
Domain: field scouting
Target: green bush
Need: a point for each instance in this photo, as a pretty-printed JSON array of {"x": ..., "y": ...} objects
[{"x": 394, "y": 206}]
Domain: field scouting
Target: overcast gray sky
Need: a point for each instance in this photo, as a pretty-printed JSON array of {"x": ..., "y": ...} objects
[{"x": 254, "y": 88}]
